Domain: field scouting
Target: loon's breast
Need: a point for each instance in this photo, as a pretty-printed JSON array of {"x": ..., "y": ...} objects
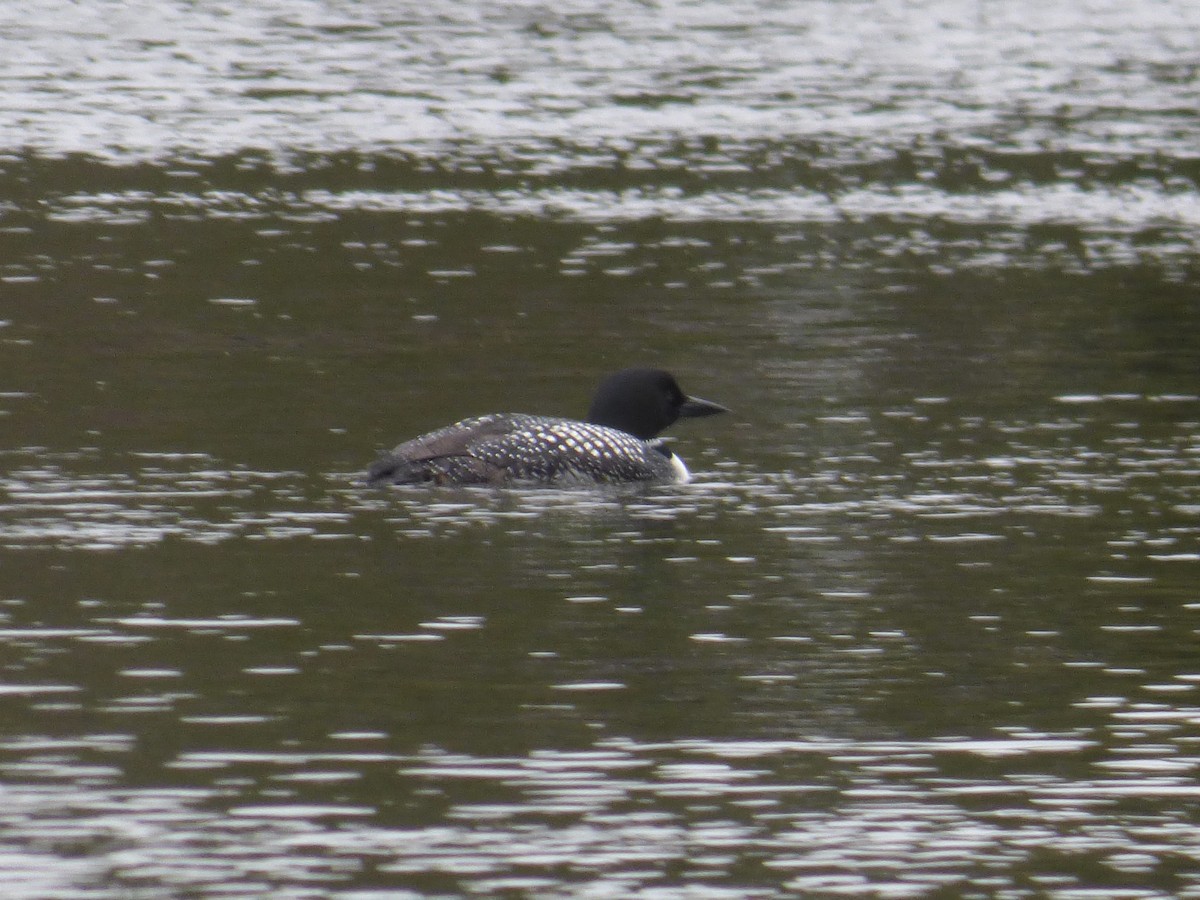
[{"x": 514, "y": 447}]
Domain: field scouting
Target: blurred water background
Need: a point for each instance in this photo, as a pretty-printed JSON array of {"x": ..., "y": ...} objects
[{"x": 926, "y": 623}]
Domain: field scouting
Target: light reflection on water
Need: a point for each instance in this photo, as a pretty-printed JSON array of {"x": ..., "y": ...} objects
[
  {"x": 860, "y": 818},
  {"x": 280, "y": 78},
  {"x": 1071, "y": 226}
]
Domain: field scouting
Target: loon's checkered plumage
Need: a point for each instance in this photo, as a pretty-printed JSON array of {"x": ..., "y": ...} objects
[{"x": 617, "y": 443}]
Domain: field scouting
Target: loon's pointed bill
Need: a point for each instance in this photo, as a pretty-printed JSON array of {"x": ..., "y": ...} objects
[
  {"x": 695, "y": 408},
  {"x": 616, "y": 443}
]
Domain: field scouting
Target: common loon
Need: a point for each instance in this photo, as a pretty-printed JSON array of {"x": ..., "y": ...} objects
[{"x": 617, "y": 443}]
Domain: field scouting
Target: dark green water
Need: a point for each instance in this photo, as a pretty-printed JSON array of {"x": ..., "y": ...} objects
[{"x": 925, "y": 624}]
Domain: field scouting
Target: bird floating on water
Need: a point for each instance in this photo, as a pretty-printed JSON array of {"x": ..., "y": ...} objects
[{"x": 618, "y": 441}]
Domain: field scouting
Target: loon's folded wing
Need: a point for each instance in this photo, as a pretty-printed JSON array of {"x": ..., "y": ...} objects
[{"x": 426, "y": 457}]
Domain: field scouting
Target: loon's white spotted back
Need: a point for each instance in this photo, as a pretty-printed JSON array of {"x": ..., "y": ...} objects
[{"x": 617, "y": 443}]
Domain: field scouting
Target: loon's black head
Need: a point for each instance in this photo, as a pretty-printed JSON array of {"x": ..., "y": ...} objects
[{"x": 643, "y": 402}]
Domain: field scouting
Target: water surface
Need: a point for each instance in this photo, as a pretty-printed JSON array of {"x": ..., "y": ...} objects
[{"x": 925, "y": 624}]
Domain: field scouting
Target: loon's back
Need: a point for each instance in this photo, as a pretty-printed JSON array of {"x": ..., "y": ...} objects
[{"x": 514, "y": 447}]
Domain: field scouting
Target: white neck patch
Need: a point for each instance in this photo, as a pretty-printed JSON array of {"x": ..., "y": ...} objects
[{"x": 682, "y": 475}]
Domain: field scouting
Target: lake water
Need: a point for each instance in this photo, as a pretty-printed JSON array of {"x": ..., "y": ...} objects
[{"x": 925, "y": 624}]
